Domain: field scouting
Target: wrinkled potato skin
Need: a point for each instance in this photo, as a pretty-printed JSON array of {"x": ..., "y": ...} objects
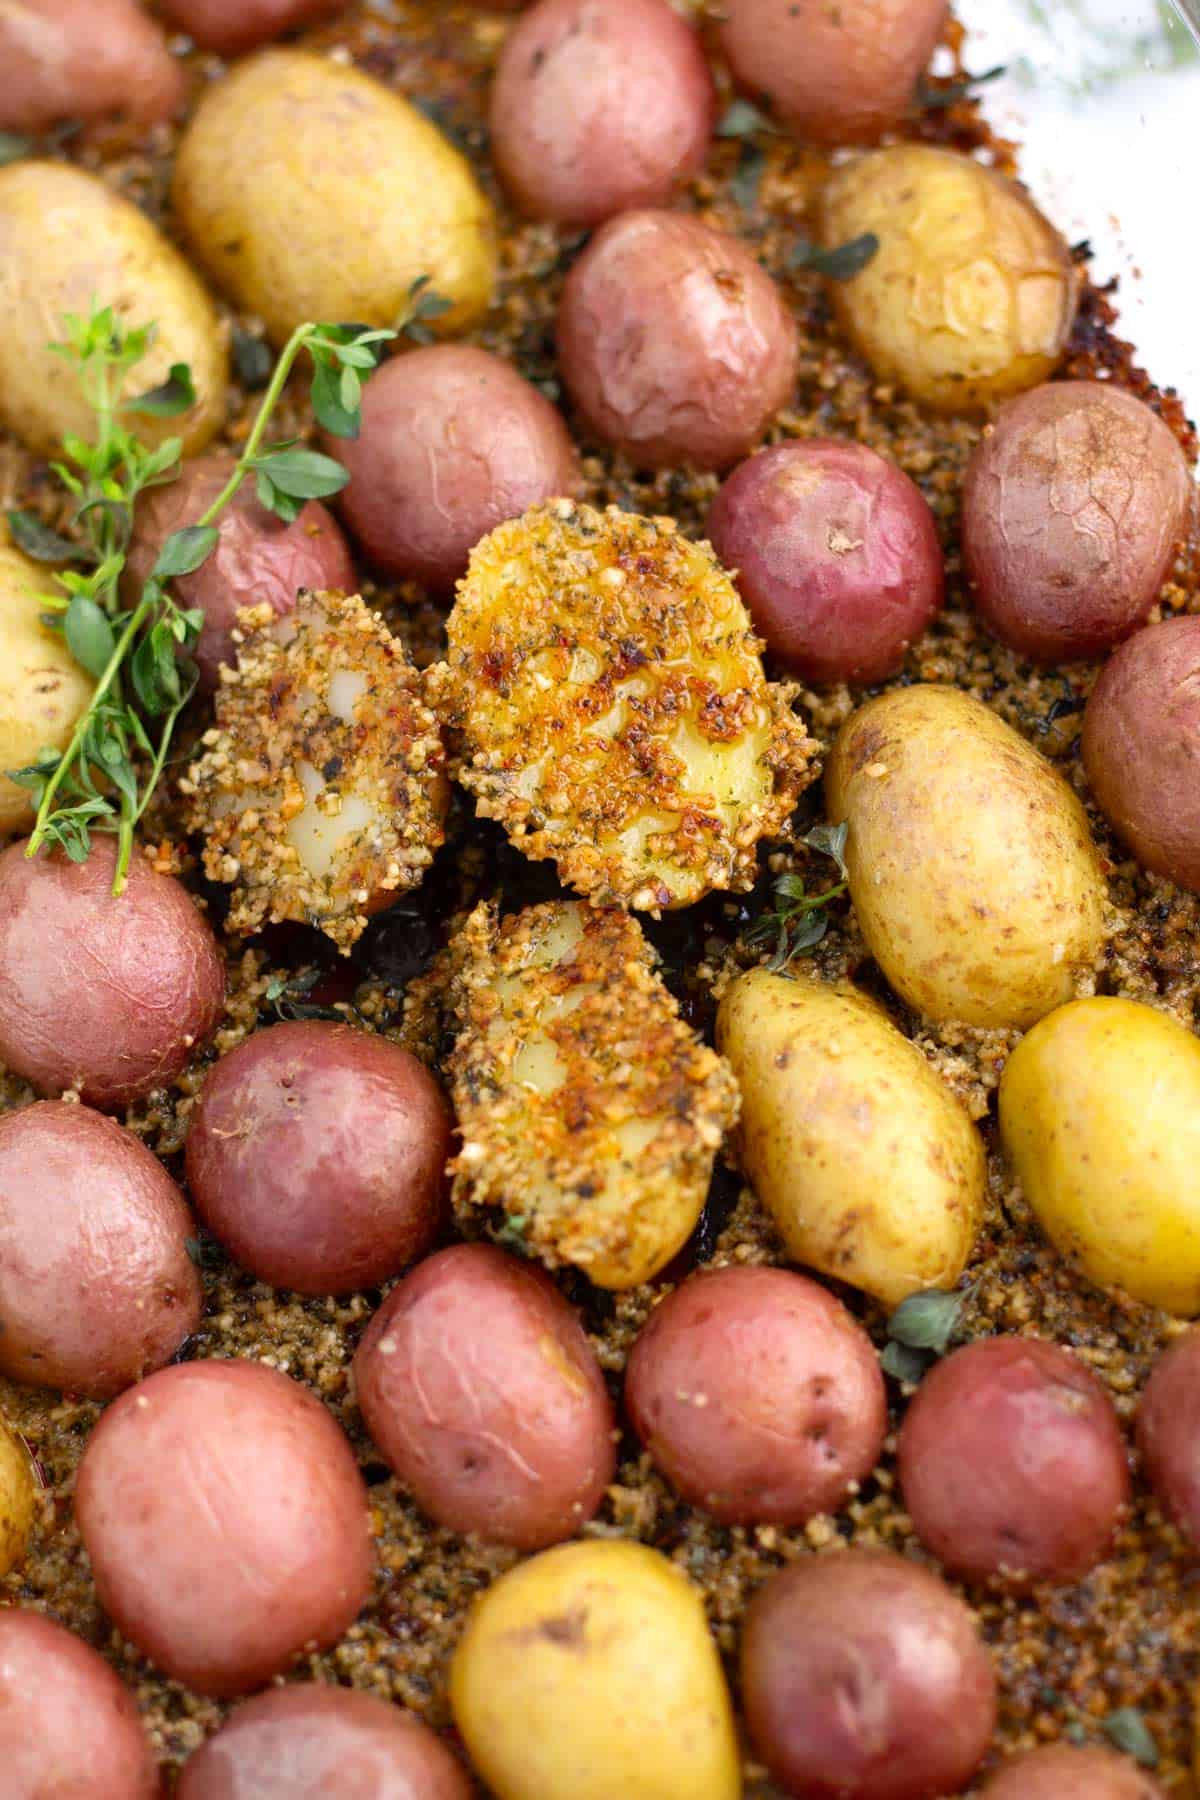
[
  {"x": 231, "y": 27},
  {"x": 834, "y": 74},
  {"x": 65, "y": 239},
  {"x": 972, "y": 293},
  {"x": 870, "y": 1168},
  {"x": 311, "y": 191},
  {"x": 69, "y": 1729},
  {"x": 1061, "y": 1772},
  {"x": 1168, "y": 1432},
  {"x": 83, "y": 59},
  {"x": 1074, "y": 505},
  {"x": 17, "y": 1499},
  {"x": 1141, "y": 747},
  {"x": 312, "y": 1741},
  {"x": 588, "y": 1671},
  {"x": 478, "y": 1383},
  {"x": 973, "y": 874},
  {"x": 1100, "y": 1119},
  {"x": 43, "y": 690}
]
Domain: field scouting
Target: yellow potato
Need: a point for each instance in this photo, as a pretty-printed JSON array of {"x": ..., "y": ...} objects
[
  {"x": 869, "y": 1166},
  {"x": 1100, "y": 1118},
  {"x": 17, "y": 1499},
  {"x": 311, "y": 191},
  {"x": 43, "y": 690},
  {"x": 972, "y": 870},
  {"x": 972, "y": 293},
  {"x": 588, "y": 1673},
  {"x": 68, "y": 242}
]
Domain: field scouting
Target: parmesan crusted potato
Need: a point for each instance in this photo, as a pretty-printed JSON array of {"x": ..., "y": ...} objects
[
  {"x": 321, "y": 791},
  {"x": 589, "y": 1110},
  {"x": 606, "y": 683}
]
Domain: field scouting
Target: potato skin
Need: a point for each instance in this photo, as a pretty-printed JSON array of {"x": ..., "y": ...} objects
[
  {"x": 1141, "y": 747},
  {"x": 83, "y": 59},
  {"x": 92, "y": 1296},
  {"x": 226, "y": 1522},
  {"x": 66, "y": 238},
  {"x": 837, "y": 556},
  {"x": 1168, "y": 1432},
  {"x": 972, "y": 870},
  {"x": 68, "y": 1727},
  {"x": 865, "y": 1678},
  {"x": 309, "y": 190},
  {"x": 869, "y": 1166},
  {"x": 43, "y": 690},
  {"x": 588, "y": 1671},
  {"x": 258, "y": 559},
  {"x": 1061, "y": 1772},
  {"x": 1100, "y": 1120},
  {"x": 232, "y": 27},
  {"x": 155, "y": 983},
  {"x": 1011, "y": 1462},
  {"x": 675, "y": 346},
  {"x": 18, "y": 1499},
  {"x": 758, "y": 1396},
  {"x": 835, "y": 75},
  {"x": 972, "y": 293},
  {"x": 453, "y": 442},
  {"x": 310, "y": 1741},
  {"x": 478, "y": 1383},
  {"x": 599, "y": 106},
  {"x": 1074, "y": 505}
]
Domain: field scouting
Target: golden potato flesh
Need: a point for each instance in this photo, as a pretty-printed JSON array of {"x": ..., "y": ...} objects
[
  {"x": 972, "y": 292},
  {"x": 869, "y": 1166},
  {"x": 1100, "y": 1118},
  {"x": 589, "y": 1110},
  {"x": 43, "y": 690},
  {"x": 321, "y": 790},
  {"x": 607, "y": 686},
  {"x": 67, "y": 244},
  {"x": 17, "y": 1499},
  {"x": 309, "y": 191}
]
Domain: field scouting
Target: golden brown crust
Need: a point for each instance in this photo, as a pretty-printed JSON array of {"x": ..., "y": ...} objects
[{"x": 614, "y": 715}]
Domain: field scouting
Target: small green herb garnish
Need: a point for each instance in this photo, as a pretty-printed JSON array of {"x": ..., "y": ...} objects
[
  {"x": 932, "y": 95},
  {"x": 920, "y": 1330},
  {"x": 286, "y": 995},
  {"x": 511, "y": 1235},
  {"x": 742, "y": 119},
  {"x": 840, "y": 264},
  {"x": 1127, "y": 1729},
  {"x": 423, "y": 304},
  {"x": 137, "y": 652},
  {"x": 798, "y": 920}
]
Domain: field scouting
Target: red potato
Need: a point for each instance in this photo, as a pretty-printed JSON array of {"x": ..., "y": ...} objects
[
  {"x": 310, "y": 1742},
  {"x": 96, "y": 1284},
  {"x": 109, "y": 994},
  {"x": 258, "y": 559},
  {"x": 232, "y": 27},
  {"x": 83, "y": 59},
  {"x": 317, "y": 1154},
  {"x": 674, "y": 344},
  {"x": 837, "y": 557},
  {"x": 864, "y": 1678},
  {"x": 1060, "y": 1772},
  {"x": 1141, "y": 747},
  {"x": 479, "y": 1385},
  {"x": 1011, "y": 1461},
  {"x": 453, "y": 442},
  {"x": 1075, "y": 504},
  {"x": 835, "y": 74},
  {"x": 599, "y": 106},
  {"x": 1168, "y": 1433},
  {"x": 226, "y": 1522},
  {"x": 68, "y": 1729},
  {"x": 757, "y": 1395}
]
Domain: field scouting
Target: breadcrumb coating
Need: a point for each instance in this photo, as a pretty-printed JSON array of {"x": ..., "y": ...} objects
[
  {"x": 613, "y": 713},
  {"x": 590, "y": 1112},
  {"x": 321, "y": 792}
]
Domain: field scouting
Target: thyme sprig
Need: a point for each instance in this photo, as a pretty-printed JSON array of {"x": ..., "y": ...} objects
[{"x": 798, "y": 920}]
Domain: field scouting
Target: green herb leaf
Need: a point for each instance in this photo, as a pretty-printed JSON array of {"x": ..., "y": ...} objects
[
  {"x": 830, "y": 840},
  {"x": 89, "y": 635},
  {"x": 37, "y": 540},
  {"x": 13, "y": 146},
  {"x": 423, "y": 303},
  {"x": 1127, "y": 1729},
  {"x": 175, "y": 395},
  {"x": 328, "y": 404},
  {"x": 286, "y": 995},
  {"x": 302, "y": 474},
  {"x": 840, "y": 264},
  {"x": 185, "y": 550},
  {"x": 742, "y": 119},
  {"x": 903, "y": 1364},
  {"x": 927, "y": 1321},
  {"x": 280, "y": 504},
  {"x": 252, "y": 359},
  {"x": 511, "y": 1235}
]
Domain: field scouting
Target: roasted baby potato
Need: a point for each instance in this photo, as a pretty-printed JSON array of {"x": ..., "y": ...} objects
[
  {"x": 84, "y": 59},
  {"x": 1100, "y": 1117},
  {"x": 66, "y": 238},
  {"x": 321, "y": 790},
  {"x": 589, "y": 1110},
  {"x": 971, "y": 294},
  {"x": 17, "y": 1499},
  {"x": 972, "y": 871},
  {"x": 43, "y": 690},
  {"x": 1062, "y": 1772},
  {"x": 870, "y": 1168},
  {"x": 606, "y": 683},
  {"x": 309, "y": 190},
  {"x": 587, "y": 1672}
]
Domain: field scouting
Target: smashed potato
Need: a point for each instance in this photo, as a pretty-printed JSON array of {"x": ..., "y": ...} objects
[
  {"x": 321, "y": 792},
  {"x": 590, "y": 1112},
  {"x": 607, "y": 687}
]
